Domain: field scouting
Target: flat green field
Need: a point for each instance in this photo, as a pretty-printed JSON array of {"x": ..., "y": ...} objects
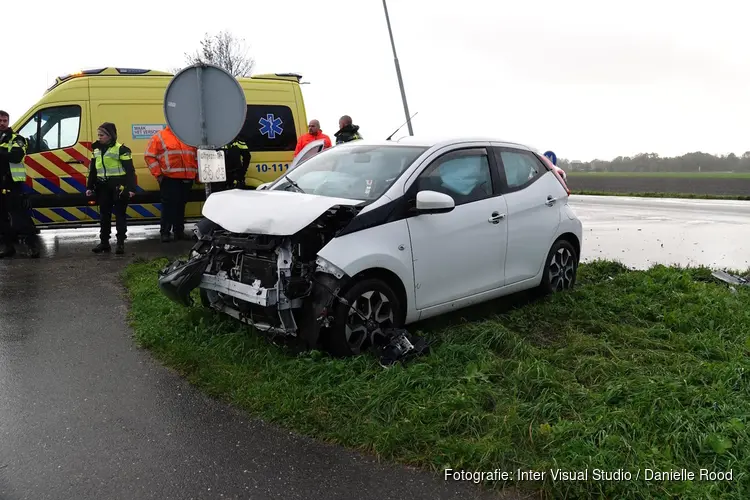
[
  {"x": 683, "y": 175},
  {"x": 695, "y": 184}
]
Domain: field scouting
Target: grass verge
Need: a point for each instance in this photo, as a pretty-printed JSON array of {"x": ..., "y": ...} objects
[
  {"x": 663, "y": 195},
  {"x": 634, "y": 370}
]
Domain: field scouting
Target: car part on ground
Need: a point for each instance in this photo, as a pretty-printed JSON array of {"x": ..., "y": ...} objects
[
  {"x": 732, "y": 279},
  {"x": 401, "y": 346}
]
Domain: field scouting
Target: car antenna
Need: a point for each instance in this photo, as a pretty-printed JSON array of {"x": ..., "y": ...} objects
[{"x": 402, "y": 126}]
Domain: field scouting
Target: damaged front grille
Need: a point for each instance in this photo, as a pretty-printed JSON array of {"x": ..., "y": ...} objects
[
  {"x": 264, "y": 280},
  {"x": 258, "y": 268}
]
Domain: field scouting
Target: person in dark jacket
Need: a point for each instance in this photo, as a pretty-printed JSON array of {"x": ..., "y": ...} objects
[
  {"x": 347, "y": 132},
  {"x": 15, "y": 219},
  {"x": 112, "y": 179},
  {"x": 237, "y": 160}
]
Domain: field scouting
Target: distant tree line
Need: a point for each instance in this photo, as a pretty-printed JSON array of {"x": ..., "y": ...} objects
[{"x": 652, "y": 162}]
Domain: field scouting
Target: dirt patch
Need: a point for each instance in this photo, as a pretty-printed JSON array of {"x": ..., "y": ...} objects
[{"x": 625, "y": 184}]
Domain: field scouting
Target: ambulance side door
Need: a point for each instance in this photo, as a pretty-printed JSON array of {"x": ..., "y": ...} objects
[{"x": 57, "y": 160}]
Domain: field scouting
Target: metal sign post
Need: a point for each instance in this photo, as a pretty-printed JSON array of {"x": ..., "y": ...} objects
[
  {"x": 204, "y": 136},
  {"x": 205, "y": 107}
]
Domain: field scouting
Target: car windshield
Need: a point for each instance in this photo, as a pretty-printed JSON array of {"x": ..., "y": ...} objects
[{"x": 356, "y": 172}]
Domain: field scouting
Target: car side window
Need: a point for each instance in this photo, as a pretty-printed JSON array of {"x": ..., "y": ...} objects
[
  {"x": 520, "y": 168},
  {"x": 463, "y": 175}
]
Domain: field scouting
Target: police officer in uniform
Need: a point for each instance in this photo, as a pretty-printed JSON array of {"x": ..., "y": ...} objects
[
  {"x": 15, "y": 219},
  {"x": 112, "y": 178},
  {"x": 237, "y": 160},
  {"x": 347, "y": 131}
]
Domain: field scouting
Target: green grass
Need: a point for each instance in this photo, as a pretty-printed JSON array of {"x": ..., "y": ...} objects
[
  {"x": 662, "y": 195},
  {"x": 632, "y": 370},
  {"x": 686, "y": 175}
]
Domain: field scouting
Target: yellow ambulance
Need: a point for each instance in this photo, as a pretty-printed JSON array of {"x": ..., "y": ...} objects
[{"x": 61, "y": 127}]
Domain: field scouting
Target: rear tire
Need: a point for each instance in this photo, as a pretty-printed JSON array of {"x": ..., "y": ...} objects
[
  {"x": 560, "y": 269},
  {"x": 374, "y": 298}
]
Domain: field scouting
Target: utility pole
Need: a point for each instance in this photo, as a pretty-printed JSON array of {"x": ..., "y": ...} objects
[{"x": 398, "y": 70}]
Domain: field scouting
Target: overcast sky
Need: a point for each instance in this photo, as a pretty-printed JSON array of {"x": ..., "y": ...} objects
[{"x": 586, "y": 79}]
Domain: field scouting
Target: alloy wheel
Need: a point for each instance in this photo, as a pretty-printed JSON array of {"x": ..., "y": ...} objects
[
  {"x": 562, "y": 270},
  {"x": 368, "y": 315}
]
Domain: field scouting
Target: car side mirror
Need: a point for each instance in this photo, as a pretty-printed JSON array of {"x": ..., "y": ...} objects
[{"x": 432, "y": 202}]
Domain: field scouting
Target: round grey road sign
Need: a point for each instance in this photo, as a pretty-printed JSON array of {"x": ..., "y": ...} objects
[{"x": 205, "y": 106}]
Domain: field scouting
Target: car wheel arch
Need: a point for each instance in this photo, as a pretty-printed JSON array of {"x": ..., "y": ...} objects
[
  {"x": 389, "y": 278},
  {"x": 573, "y": 240}
]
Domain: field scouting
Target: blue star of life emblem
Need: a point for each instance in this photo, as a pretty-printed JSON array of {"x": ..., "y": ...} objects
[{"x": 271, "y": 126}]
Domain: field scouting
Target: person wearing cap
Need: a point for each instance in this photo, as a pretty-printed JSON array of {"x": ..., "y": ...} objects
[{"x": 112, "y": 179}]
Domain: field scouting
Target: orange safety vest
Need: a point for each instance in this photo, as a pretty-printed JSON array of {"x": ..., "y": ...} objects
[
  {"x": 168, "y": 156},
  {"x": 307, "y": 138}
]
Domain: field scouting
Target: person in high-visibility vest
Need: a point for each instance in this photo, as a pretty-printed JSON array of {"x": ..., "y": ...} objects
[
  {"x": 313, "y": 134},
  {"x": 15, "y": 217},
  {"x": 112, "y": 178},
  {"x": 237, "y": 160},
  {"x": 174, "y": 164},
  {"x": 347, "y": 131}
]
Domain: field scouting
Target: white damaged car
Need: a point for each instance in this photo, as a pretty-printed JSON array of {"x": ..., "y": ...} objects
[{"x": 369, "y": 235}]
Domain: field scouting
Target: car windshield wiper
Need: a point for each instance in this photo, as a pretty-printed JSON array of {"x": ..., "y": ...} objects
[{"x": 294, "y": 184}]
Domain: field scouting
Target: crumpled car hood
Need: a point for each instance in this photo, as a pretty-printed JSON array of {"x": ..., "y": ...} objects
[{"x": 275, "y": 213}]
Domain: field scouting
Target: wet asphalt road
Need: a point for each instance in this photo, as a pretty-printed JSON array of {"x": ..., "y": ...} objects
[
  {"x": 85, "y": 414},
  {"x": 644, "y": 231}
]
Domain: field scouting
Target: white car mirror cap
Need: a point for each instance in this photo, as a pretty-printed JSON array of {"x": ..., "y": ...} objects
[{"x": 432, "y": 202}]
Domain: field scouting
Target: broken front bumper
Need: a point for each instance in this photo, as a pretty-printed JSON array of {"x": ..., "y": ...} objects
[{"x": 179, "y": 278}]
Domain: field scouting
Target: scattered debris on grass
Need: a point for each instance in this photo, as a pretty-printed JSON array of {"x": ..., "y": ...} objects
[
  {"x": 401, "y": 346},
  {"x": 732, "y": 279}
]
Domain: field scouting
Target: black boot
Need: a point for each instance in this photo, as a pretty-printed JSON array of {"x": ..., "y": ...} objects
[
  {"x": 102, "y": 247},
  {"x": 7, "y": 251},
  {"x": 120, "y": 248},
  {"x": 33, "y": 251},
  {"x": 32, "y": 246},
  {"x": 165, "y": 238}
]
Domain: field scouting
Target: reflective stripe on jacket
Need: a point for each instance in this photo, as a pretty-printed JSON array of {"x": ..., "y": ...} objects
[
  {"x": 17, "y": 170},
  {"x": 235, "y": 144},
  {"x": 167, "y": 155},
  {"x": 109, "y": 164}
]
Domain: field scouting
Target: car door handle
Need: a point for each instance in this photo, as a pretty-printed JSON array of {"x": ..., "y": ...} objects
[
  {"x": 496, "y": 218},
  {"x": 550, "y": 201},
  {"x": 70, "y": 162}
]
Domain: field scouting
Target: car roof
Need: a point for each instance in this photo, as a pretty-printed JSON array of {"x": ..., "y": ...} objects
[{"x": 435, "y": 141}]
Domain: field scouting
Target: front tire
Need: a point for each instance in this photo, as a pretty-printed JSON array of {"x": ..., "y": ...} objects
[
  {"x": 351, "y": 334},
  {"x": 560, "y": 269}
]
